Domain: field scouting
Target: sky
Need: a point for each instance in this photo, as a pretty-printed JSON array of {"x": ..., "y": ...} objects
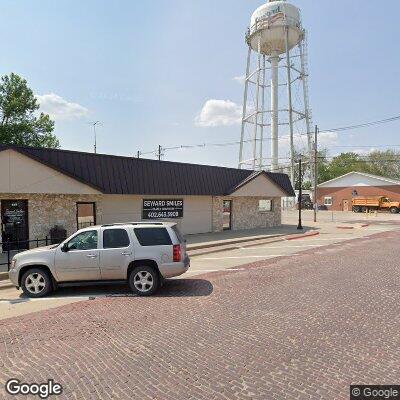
[{"x": 167, "y": 72}]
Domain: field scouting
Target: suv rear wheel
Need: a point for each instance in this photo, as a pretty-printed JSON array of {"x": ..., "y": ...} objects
[
  {"x": 36, "y": 282},
  {"x": 144, "y": 280}
]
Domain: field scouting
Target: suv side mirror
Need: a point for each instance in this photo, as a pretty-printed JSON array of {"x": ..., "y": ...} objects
[{"x": 65, "y": 248}]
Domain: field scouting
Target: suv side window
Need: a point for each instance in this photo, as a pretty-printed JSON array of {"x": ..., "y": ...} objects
[
  {"x": 84, "y": 241},
  {"x": 115, "y": 238},
  {"x": 153, "y": 236}
]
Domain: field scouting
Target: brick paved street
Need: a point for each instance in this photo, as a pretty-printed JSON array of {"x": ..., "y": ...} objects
[{"x": 297, "y": 327}]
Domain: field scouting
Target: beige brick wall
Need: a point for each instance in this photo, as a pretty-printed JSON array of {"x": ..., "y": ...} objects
[
  {"x": 245, "y": 213},
  {"x": 48, "y": 210}
]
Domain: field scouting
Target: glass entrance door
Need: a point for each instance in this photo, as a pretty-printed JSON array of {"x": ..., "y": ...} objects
[
  {"x": 14, "y": 224},
  {"x": 227, "y": 215}
]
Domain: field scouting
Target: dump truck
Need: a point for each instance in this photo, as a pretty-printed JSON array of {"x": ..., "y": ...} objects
[{"x": 372, "y": 203}]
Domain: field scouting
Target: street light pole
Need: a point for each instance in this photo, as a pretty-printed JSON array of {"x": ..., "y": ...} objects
[
  {"x": 299, "y": 226},
  {"x": 315, "y": 172}
]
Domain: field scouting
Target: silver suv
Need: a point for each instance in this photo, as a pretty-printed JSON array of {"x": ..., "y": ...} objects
[{"x": 141, "y": 253}]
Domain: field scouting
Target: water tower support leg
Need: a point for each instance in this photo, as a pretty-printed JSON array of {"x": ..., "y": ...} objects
[
  {"x": 246, "y": 86},
  {"x": 261, "y": 163},
  {"x": 274, "y": 60},
  {"x": 257, "y": 111},
  {"x": 289, "y": 92}
]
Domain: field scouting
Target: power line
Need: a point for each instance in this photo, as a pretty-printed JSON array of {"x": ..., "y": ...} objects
[{"x": 332, "y": 130}]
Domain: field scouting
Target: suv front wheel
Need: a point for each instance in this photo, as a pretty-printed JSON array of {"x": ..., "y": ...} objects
[
  {"x": 36, "y": 282},
  {"x": 144, "y": 281}
]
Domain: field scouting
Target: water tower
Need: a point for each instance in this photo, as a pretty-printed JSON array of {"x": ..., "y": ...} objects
[{"x": 276, "y": 67}]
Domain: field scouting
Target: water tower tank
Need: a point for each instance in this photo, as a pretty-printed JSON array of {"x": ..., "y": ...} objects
[{"x": 267, "y": 27}]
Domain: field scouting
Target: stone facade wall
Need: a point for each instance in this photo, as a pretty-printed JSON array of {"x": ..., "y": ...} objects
[
  {"x": 245, "y": 213},
  {"x": 47, "y": 210},
  {"x": 217, "y": 214}
]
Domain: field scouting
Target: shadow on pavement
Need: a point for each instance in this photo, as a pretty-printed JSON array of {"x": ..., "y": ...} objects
[
  {"x": 171, "y": 288},
  {"x": 185, "y": 288}
]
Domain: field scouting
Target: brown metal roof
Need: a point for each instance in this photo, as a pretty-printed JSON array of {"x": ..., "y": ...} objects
[{"x": 126, "y": 175}]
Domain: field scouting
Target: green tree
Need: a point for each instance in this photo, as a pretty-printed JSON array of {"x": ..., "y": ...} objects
[
  {"x": 305, "y": 169},
  {"x": 345, "y": 163},
  {"x": 324, "y": 173},
  {"x": 384, "y": 163},
  {"x": 20, "y": 123}
]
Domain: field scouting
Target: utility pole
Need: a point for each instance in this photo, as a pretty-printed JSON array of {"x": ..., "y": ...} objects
[
  {"x": 299, "y": 226},
  {"x": 138, "y": 154},
  {"x": 315, "y": 172},
  {"x": 95, "y": 123}
]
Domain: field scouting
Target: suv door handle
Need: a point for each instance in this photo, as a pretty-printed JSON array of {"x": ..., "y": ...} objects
[
  {"x": 126, "y": 253},
  {"x": 91, "y": 256}
]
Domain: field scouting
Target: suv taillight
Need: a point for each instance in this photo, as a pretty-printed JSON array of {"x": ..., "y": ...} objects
[{"x": 177, "y": 253}]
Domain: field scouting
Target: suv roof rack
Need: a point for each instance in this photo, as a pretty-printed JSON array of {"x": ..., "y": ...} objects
[{"x": 133, "y": 223}]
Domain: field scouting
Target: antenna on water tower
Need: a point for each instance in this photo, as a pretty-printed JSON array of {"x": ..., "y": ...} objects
[{"x": 275, "y": 34}]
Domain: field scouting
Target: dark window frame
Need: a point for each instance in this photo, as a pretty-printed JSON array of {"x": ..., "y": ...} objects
[
  {"x": 119, "y": 247},
  {"x": 139, "y": 239},
  {"x": 266, "y": 210},
  {"x": 94, "y": 212},
  {"x": 230, "y": 201},
  {"x": 24, "y": 243}
]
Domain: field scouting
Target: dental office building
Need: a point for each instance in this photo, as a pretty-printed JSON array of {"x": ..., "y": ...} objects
[{"x": 43, "y": 188}]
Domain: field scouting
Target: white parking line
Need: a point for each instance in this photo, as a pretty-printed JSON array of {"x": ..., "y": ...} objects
[
  {"x": 217, "y": 270},
  {"x": 244, "y": 257},
  {"x": 26, "y": 299},
  {"x": 280, "y": 247},
  {"x": 316, "y": 240}
]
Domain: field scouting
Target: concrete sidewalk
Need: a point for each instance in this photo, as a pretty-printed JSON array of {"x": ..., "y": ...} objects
[
  {"x": 208, "y": 239},
  {"x": 206, "y": 243}
]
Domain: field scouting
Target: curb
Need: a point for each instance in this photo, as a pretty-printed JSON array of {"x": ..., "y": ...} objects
[{"x": 312, "y": 233}]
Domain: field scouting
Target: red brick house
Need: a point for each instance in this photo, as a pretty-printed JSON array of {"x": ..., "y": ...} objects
[{"x": 337, "y": 193}]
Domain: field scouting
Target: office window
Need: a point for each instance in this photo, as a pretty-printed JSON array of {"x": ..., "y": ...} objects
[
  {"x": 85, "y": 215},
  {"x": 265, "y": 205},
  {"x": 328, "y": 201}
]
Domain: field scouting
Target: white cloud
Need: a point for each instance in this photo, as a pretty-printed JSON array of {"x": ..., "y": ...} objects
[
  {"x": 59, "y": 108},
  {"x": 363, "y": 152},
  {"x": 219, "y": 113},
  {"x": 239, "y": 79},
  {"x": 327, "y": 139}
]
